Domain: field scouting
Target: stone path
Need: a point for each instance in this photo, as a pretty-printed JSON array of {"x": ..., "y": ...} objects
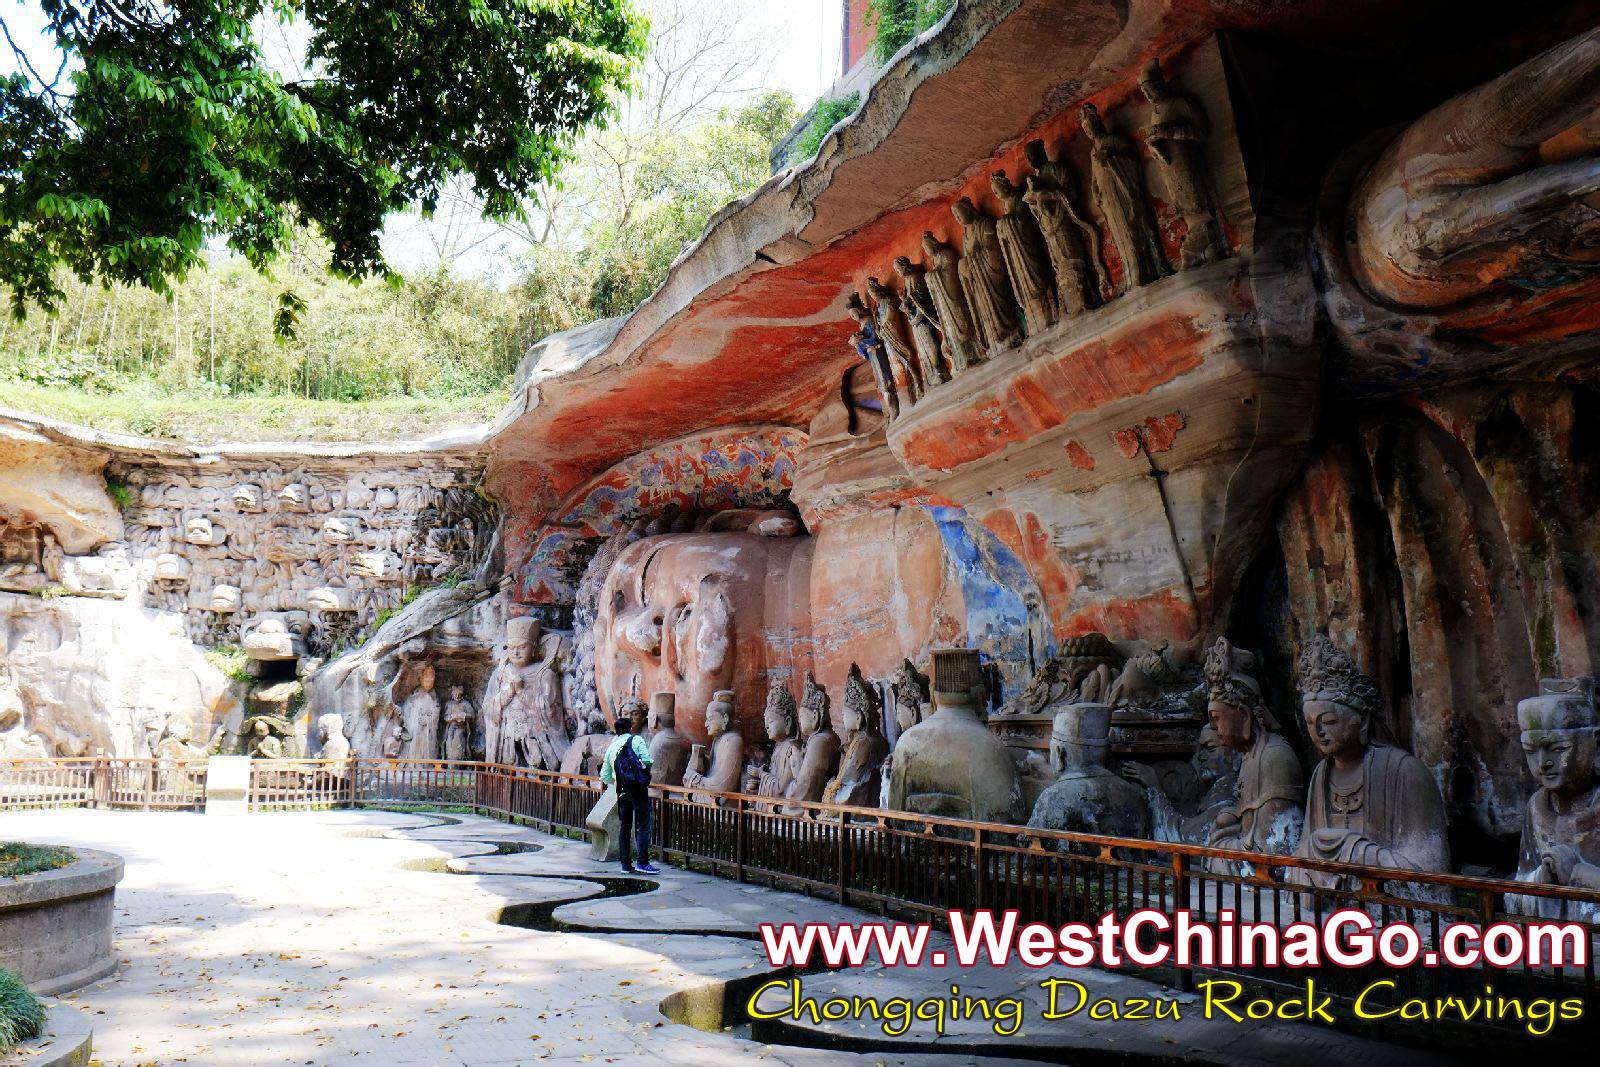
[{"x": 347, "y": 938}]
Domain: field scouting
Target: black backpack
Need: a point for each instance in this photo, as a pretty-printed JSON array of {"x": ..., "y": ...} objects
[{"x": 630, "y": 772}]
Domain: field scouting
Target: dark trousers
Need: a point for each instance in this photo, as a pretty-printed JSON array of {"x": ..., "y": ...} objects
[{"x": 633, "y": 808}]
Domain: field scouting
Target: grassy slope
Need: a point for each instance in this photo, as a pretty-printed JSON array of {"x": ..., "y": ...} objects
[{"x": 148, "y": 412}]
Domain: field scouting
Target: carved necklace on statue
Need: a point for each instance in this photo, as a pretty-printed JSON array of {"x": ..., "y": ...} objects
[{"x": 1348, "y": 800}]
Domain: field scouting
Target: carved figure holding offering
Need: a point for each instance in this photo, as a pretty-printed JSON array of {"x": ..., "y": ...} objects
[
  {"x": 1117, "y": 180},
  {"x": 1269, "y": 814},
  {"x": 983, "y": 276},
  {"x": 870, "y": 348},
  {"x": 1561, "y": 829},
  {"x": 1072, "y": 241},
  {"x": 950, "y": 764},
  {"x": 460, "y": 718},
  {"x": 1177, "y": 135},
  {"x": 917, "y": 303},
  {"x": 857, "y": 782},
  {"x": 1027, "y": 261},
  {"x": 957, "y": 330},
  {"x": 1185, "y": 807},
  {"x": 719, "y": 770},
  {"x": 787, "y": 755},
  {"x": 902, "y": 354},
  {"x": 1086, "y": 797},
  {"x": 669, "y": 750},
  {"x": 1369, "y": 803},
  {"x": 821, "y": 756}
]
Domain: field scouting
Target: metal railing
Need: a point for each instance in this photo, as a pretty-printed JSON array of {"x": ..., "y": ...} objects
[{"x": 911, "y": 866}]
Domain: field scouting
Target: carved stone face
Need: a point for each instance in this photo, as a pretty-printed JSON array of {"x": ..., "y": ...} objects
[
  {"x": 225, "y": 598},
  {"x": 1210, "y": 755},
  {"x": 457, "y": 693},
  {"x": 247, "y": 497},
  {"x": 521, "y": 648},
  {"x": 378, "y": 566},
  {"x": 429, "y": 676},
  {"x": 779, "y": 723},
  {"x": 293, "y": 497},
  {"x": 1561, "y": 760},
  {"x": 719, "y": 715},
  {"x": 1335, "y": 730},
  {"x": 690, "y": 614},
  {"x": 851, "y": 719},
  {"x": 200, "y": 531},
  {"x": 1234, "y": 725},
  {"x": 329, "y": 598},
  {"x": 336, "y": 531},
  {"x": 171, "y": 568}
]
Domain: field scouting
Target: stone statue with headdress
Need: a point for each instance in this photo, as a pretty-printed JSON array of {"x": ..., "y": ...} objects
[{"x": 1269, "y": 812}]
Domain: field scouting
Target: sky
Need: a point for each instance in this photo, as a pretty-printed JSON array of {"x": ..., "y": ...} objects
[{"x": 795, "y": 44}]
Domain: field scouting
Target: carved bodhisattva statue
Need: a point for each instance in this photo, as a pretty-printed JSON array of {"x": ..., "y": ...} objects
[
  {"x": 523, "y": 711},
  {"x": 1561, "y": 830},
  {"x": 669, "y": 750},
  {"x": 958, "y": 332},
  {"x": 917, "y": 303},
  {"x": 1269, "y": 815},
  {"x": 870, "y": 348},
  {"x": 787, "y": 755},
  {"x": 1073, "y": 241},
  {"x": 1027, "y": 262},
  {"x": 983, "y": 276},
  {"x": 1086, "y": 796},
  {"x": 1369, "y": 803},
  {"x": 821, "y": 756},
  {"x": 891, "y": 332},
  {"x": 950, "y": 764},
  {"x": 719, "y": 770},
  {"x": 420, "y": 714},
  {"x": 1178, "y": 134},
  {"x": 1118, "y": 182},
  {"x": 857, "y": 782},
  {"x": 459, "y": 719}
]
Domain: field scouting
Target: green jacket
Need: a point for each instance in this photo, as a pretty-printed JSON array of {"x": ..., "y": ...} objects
[{"x": 608, "y": 773}]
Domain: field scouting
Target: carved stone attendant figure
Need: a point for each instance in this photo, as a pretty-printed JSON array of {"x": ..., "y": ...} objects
[
  {"x": 857, "y": 782},
  {"x": 586, "y": 753},
  {"x": 1184, "y": 807},
  {"x": 719, "y": 770},
  {"x": 523, "y": 713},
  {"x": 669, "y": 750},
  {"x": 1071, "y": 238},
  {"x": 1117, "y": 179},
  {"x": 1178, "y": 134},
  {"x": 459, "y": 720},
  {"x": 1369, "y": 803},
  {"x": 1086, "y": 797},
  {"x": 821, "y": 756},
  {"x": 1026, "y": 259},
  {"x": 924, "y": 319},
  {"x": 330, "y": 730},
  {"x": 983, "y": 276},
  {"x": 787, "y": 755},
  {"x": 957, "y": 331},
  {"x": 1561, "y": 829},
  {"x": 950, "y": 764},
  {"x": 1269, "y": 815},
  {"x": 420, "y": 713},
  {"x": 902, "y": 354},
  {"x": 870, "y": 348}
]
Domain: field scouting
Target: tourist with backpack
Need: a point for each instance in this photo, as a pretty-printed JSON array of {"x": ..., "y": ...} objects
[{"x": 627, "y": 763}]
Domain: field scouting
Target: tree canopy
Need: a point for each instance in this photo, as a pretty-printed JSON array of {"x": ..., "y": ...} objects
[{"x": 167, "y": 127}]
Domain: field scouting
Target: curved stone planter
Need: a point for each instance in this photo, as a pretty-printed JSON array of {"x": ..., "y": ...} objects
[
  {"x": 56, "y": 926},
  {"x": 66, "y": 1042}
]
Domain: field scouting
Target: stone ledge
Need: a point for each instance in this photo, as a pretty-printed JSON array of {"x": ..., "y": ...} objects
[{"x": 67, "y": 1041}]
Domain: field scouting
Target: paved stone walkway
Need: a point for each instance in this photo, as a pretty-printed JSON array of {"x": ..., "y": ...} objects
[{"x": 371, "y": 937}]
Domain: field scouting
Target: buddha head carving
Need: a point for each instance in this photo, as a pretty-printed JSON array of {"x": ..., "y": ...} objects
[
  {"x": 1235, "y": 706},
  {"x": 522, "y": 641},
  {"x": 691, "y": 613},
  {"x": 719, "y": 713},
  {"x": 1558, "y": 735},
  {"x": 1338, "y": 701},
  {"x": 293, "y": 497},
  {"x": 1080, "y": 737},
  {"x": 863, "y": 710},
  {"x": 779, "y": 714},
  {"x": 814, "y": 705},
  {"x": 247, "y": 498},
  {"x": 336, "y": 531},
  {"x": 910, "y": 696}
]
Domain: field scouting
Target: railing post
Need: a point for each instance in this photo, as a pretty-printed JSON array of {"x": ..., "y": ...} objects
[
  {"x": 100, "y": 776},
  {"x": 977, "y": 868},
  {"x": 149, "y": 783},
  {"x": 738, "y": 840},
  {"x": 351, "y": 788},
  {"x": 1180, "y": 901},
  {"x": 843, "y": 854}
]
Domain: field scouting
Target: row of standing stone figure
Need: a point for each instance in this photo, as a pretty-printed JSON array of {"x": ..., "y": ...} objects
[{"x": 1042, "y": 259}]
